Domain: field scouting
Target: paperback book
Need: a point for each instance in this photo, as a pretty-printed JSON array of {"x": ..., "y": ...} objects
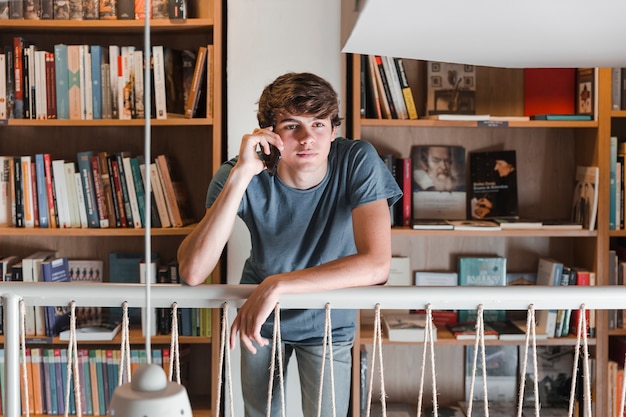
[
  {"x": 409, "y": 327},
  {"x": 438, "y": 182},
  {"x": 585, "y": 201},
  {"x": 482, "y": 271},
  {"x": 493, "y": 179}
]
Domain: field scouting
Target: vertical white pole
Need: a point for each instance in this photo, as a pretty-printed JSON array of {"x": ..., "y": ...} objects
[{"x": 11, "y": 355}]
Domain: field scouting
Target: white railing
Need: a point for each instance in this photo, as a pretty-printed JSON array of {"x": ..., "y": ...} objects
[{"x": 214, "y": 296}]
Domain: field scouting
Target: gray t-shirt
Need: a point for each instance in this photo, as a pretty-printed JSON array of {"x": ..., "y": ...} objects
[{"x": 295, "y": 229}]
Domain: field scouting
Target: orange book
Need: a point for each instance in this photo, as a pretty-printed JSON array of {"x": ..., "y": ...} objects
[
  {"x": 93, "y": 376},
  {"x": 36, "y": 361}
]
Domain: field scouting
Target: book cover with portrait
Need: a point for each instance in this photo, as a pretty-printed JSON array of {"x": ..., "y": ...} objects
[
  {"x": 493, "y": 189},
  {"x": 439, "y": 182}
]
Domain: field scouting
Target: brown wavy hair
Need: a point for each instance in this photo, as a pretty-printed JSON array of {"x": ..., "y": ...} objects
[{"x": 300, "y": 94}]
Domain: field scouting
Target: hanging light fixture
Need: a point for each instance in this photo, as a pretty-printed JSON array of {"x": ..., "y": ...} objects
[
  {"x": 498, "y": 33},
  {"x": 149, "y": 394}
]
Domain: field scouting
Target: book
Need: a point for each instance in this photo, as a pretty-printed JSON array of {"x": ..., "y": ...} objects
[
  {"x": 436, "y": 279},
  {"x": 438, "y": 182},
  {"x": 460, "y": 117},
  {"x": 585, "y": 200},
  {"x": 548, "y": 273},
  {"x": 549, "y": 90},
  {"x": 560, "y": 224},
  {"x": 403, "y": 177},
  {"x": 493, "y": 189},
  {"x": 482, "y": 271},
  {"x": 467, "y": 331},
  {"x": 57, "y": 318},
  {"x": 395, "y": 89},
  {"x": 198, "y": 74},
  {"x": 103, "y": 332},
  {"x": 175, "y": 192},
  {"x": 585, "y": 90},
  {"x": 554, "y": 366},
  {"x": 378, "y": 92},
  {"x": 160, "y": 102},
  {"x": 501, "y": 374},
  {"x": 400, "y": 271},
  {"x": 407, "y": 327},
  {"x": 507, "y": 330},
  {"x": 476, "y": 225},
  {"x": 519, "y": 223},
  {"x": 86, "y": 270},
  {"x": 451, "y": 88},
  {"x": 89, "y": 187},
  {"x": 31, "y": 269},
  {"x": 562, "y": 117},
  {"x": 407, "y": 92},
  {"x": 430, "y": 224}
]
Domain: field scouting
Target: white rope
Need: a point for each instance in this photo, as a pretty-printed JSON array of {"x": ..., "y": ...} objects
[
  {"x": 174, "y": 347},
  {"x": 72, "y": 366},
  {"x": 479, "y": 342},
  {"x": 328, "y": 342},
  {"x": 531, "y": 336},
  {"x": 23, "y": 350},
  {"x": 224, "y": 356},
  {"x": 377, "y": 349},
  {"x": 277, "y": 351},
  {"x": 125, "y": 347},
  {"x": 428, "y": 345},
  {"x": 581, "y": 334}
]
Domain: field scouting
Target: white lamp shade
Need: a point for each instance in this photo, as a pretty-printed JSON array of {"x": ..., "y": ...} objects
[
  {"x": 150, "y": 394},
  {"x": 498, "y": 33}
]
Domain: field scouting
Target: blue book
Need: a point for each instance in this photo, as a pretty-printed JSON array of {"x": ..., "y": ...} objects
[
  {"x": 96, "y": 80},
  {"x": 57, "y": 318},
  {"x": 42, "y": 193},
  {"x": 562, "y": 117},
  {"x": 613, "y": 183},
  {"x": 482, "y": 271},
  {"x": 139, "y": 189},
  {"x": 62, "y": 77},
  {"x": 85, "y": 380},
  {"x": 89, "y": 187}
]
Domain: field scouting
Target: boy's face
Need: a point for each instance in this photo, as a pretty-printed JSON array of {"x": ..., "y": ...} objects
[{"x": 306, "y": 141}]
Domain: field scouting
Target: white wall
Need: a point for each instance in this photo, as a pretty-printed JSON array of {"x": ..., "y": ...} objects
[{"x": 267, "y": 38}]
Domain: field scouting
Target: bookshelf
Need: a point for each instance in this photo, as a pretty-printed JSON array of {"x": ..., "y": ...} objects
[
  {"x": 547, "y": 155},
  {"x": 195, "y": 144}
]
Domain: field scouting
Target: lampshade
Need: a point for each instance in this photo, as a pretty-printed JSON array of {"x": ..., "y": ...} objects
[
  {"x": 150, "y": 394},
  {"x": 498, "y": 33}
]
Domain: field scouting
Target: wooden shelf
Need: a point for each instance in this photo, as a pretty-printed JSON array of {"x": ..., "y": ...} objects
[
  {"x": 94, "y": 232},
  {"x": 457, "y": 123},
  {"x": 172, "y": 120},
  {"x": 106, "y": 26},
  {"x": 406, "y": 231}
]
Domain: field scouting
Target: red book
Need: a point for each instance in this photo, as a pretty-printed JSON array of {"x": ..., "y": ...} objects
[
  {"x": 51, "y": 93},
  {"x": 52, "y": 217},
  {"x": 583, "y": 277},
  {"x": 549, "y": 91}
]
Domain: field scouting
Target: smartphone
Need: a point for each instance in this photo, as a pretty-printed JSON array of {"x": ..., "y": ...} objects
[{"x": 271, "y": 160}]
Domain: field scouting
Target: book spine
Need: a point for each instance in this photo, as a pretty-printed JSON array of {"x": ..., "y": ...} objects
[
  {"x": 139, "y": 189},
  {"x": 116, "y": 191},
  {"x": 19, "y": 192},
  {"x": 101, "y": 204},
  {"x": 58, "y": 175},
  {"x": 80, "y": 197},
  {"x": 18, "y": 79},
  {"x": 42, "y": 194},
  {"x": 51, "y": 93},
  {"x": 407, "y": 92},
  {"x": 96, "y": 81},
  {"x": 159, "y": 82},
  {"x": 62, "y": 79},
  {"x": 124, "y": 188},
  {"x": 114, "y": 52},
  {"x": 386, "y": 86},
  {"x": 69, "y": 170},
  {"x": 157, "y": 188},
  {"x": 168, "y": 190},
  {"x": 394, "y": 87},
  {"x": 194, "y": 90},
  {"x": 3, "y": 87},
  {"x": 132, "y": 194},
  {"x": 89, "y": 188},
  {"x": 73, "y": 86},
  {"x": 27, "y": 190}
]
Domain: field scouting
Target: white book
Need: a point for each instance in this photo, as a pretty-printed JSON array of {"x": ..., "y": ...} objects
[
  {"x": 124, "y": 82},
  {"x": 436, "y": 279},
  {"x": 93, "y": 333},
  {"x": 72, "y": 200},
  {"x": 400, "y": 271},
  {"x": 408, "y": 327},
  {"x": 31, "y": 265},
  {"x": 132, "y": 194},
  {"x": 27, "y": 189},
  {"x": 41, "y": 106},
  {"x": 3, "y": 89},
  {"x": 30, "y": 53},
  {"x": 157, "y": 189},
  {"x": 159, "y": 82},
  {"x": 114, "y": 52},
  {"x": 80, "y": 197},
  {"x": 138, "y": 87},
  {"x": 394, "y": 86},
  {"x": 87, "y": 82},
  {"x": 60, "y": 189},
  {"x": 81, "y": 81}
]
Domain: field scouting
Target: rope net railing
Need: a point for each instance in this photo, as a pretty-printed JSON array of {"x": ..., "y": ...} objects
[{"x": 528, "y": 298}]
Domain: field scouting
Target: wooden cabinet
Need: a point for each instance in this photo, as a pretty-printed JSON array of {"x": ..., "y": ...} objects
[
  {"x": 195, "y": 145},
  {"x": 547, "y": 155}
]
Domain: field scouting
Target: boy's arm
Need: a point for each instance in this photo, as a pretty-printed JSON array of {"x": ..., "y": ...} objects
[{"x": 369, "y": 266}]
